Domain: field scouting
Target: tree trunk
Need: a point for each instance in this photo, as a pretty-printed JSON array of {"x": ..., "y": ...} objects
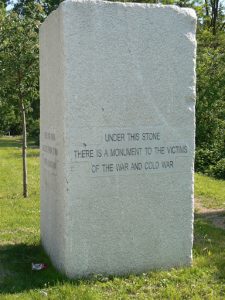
[
  {"x": 206, "y": 8},
  {"x": 215, "y": 8},
  {"x": 24, "y": 151}
]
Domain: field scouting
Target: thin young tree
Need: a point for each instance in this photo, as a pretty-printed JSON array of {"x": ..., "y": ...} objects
[{"x": 19, "y": 70}]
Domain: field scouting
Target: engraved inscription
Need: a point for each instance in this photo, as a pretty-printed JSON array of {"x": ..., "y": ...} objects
[
  {"x": 49, "y": 150},
  {"x": 124, "y": 151}
]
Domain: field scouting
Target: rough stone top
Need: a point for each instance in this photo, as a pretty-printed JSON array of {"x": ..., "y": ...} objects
[
  {"x": 180, "y": 10},
  {"x": 187, "y": 14}
]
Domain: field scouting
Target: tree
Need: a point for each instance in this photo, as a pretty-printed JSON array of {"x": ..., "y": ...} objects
[
  {"x": 210, "y": 105},
  {"x": 3, "y": 3},
  {"x": 25, "y": 7},
  {"x": 19, "y": 71},
  {"x": 214, "y": 17},
  {"x": 9, "y": 119}
]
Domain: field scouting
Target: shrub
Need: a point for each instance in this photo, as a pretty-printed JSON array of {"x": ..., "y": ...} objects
[
  {"x": 34, "y": 132},
  {"x": 204, "y": 158},
  {"x": 218, "y": 170}
]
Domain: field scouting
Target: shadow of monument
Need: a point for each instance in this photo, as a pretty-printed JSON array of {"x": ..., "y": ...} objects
[
  {"x": 15, "y": 261},
  {"x": 216, "y": 217},
  {"x": 209, "y": 240},
  {"x": 16, "y": 274}
]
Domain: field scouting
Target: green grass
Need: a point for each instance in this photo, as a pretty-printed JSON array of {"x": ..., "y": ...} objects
[
  {"x": 20, "y": 246},
  {"x": 211, "y": 191}
]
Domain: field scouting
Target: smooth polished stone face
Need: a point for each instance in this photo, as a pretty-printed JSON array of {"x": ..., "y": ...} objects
[{"x": 117, "y": 137}]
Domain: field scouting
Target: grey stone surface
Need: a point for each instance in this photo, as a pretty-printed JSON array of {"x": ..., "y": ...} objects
[{"x": 117, "y": 136}]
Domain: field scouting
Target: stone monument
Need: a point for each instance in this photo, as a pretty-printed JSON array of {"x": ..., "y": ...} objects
[{"x": 117, "y": 136}]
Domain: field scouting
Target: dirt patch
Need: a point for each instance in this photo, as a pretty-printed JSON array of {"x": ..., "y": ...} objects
[{"x": 215, "y": 216}]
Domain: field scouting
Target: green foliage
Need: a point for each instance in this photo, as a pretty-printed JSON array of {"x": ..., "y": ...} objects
[
  {"x": 210, "y": 106},
  {"x": 218, "y": 170},
  {"x": 50, "y": 5},
  {"x": 34, "y": 132},
  {"x": 9, "y": 119},
  {"x": 3, "y": 3},
  {"x": 18, "y": 68},
  {"x": 204, "y": 158},
  {"x": 26, "y": 7}
]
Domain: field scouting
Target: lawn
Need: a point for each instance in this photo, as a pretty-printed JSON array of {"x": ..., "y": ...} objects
[
  {"x": 20, "y": 246},
  {"x": 210, "y": 191}
]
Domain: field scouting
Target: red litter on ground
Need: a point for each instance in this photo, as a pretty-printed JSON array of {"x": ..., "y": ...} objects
[{"x": 38, "y": 267}]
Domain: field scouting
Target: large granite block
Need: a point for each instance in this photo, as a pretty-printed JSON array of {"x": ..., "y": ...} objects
[{"x": 117, "y": 136}]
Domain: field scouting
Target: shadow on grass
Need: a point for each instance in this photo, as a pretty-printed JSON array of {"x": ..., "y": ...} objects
[
  {"x": 209, "y": 243},
  {"x": 19, "y": 154},
  {"x": 16, "y": 274},
  {"x": 216, "y": 217},
  {"x": 211, "y": 213},
  {"x": 6, "y": 142},
  {"x": 16, "y": 142},
  {"x": 16, "y": 261},
  {"x": 12, "y": 142}
]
